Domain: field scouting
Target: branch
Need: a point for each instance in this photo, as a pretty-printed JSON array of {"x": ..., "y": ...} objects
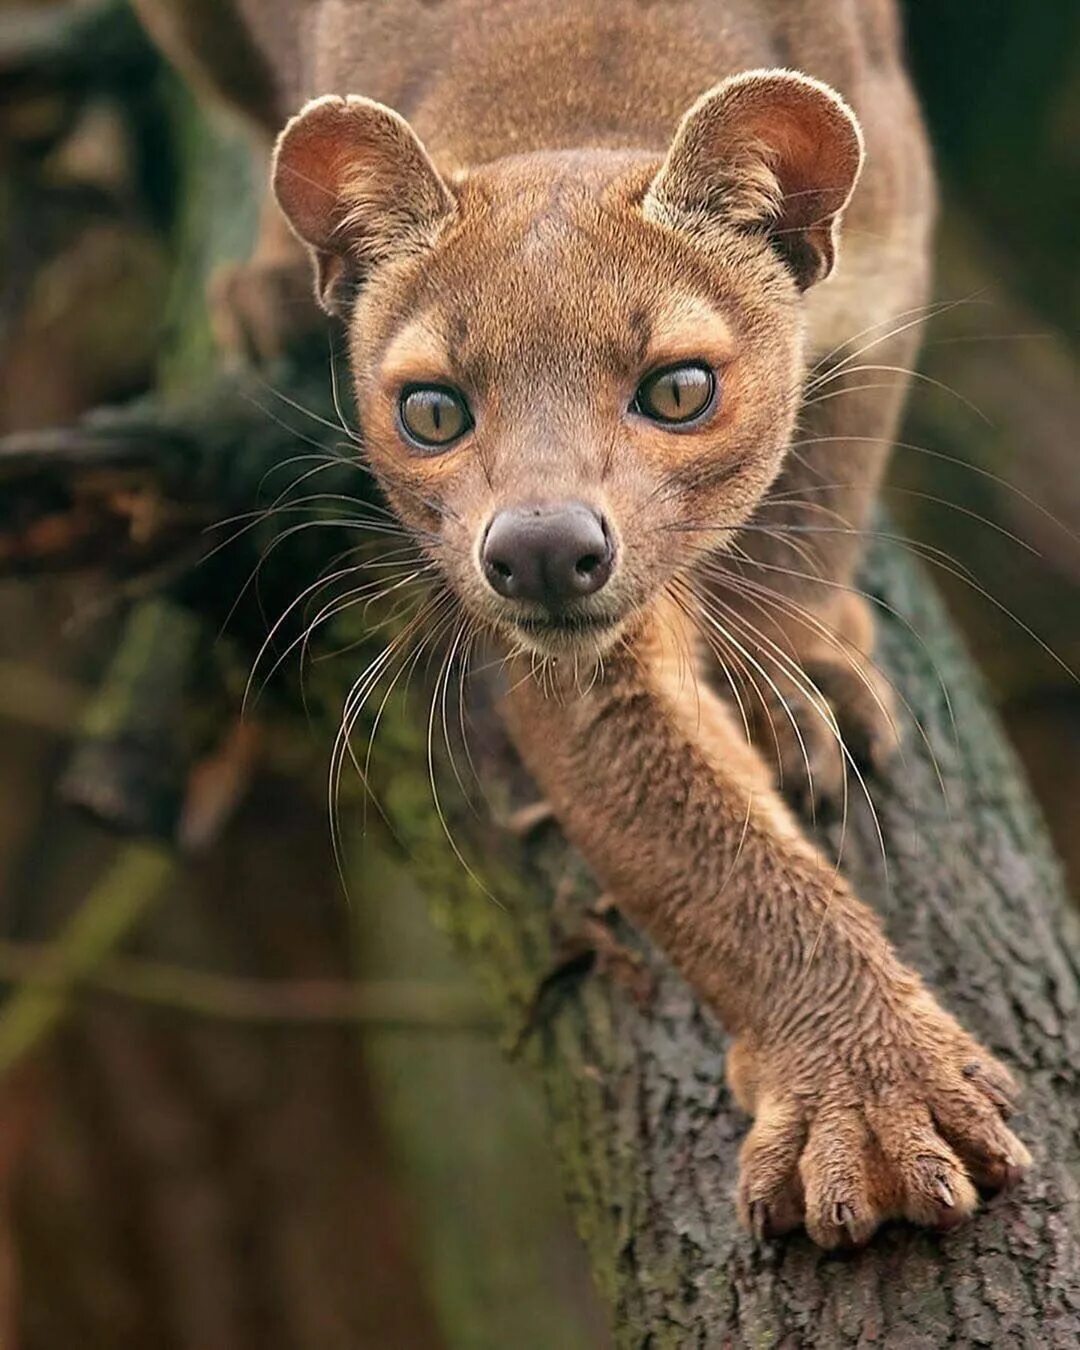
[
  {"x": 133, "y": 489},
  {"x": 113, "y": 907},
  {"x": 384, "y": 1005}
]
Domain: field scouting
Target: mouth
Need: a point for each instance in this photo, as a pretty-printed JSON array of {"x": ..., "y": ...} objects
[
  {"x": 564, "y": 632},
  {"x": 561, "y": 623}
]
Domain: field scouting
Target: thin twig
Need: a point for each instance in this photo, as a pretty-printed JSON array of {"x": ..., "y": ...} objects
[
  {"x": 129, "y": 887},
  {"x": 394, "y": 1005}
]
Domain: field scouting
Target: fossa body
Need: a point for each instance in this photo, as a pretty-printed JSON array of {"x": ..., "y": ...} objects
[{"x": 613, "y": 275}]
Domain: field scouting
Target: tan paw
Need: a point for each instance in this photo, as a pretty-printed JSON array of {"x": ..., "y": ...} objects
[
  {"x": 914, "y": 1134},
  {"x": 821, "y": 730}
]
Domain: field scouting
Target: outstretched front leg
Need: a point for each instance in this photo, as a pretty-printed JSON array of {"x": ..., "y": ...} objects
[{"x": 870, "y": 1101}]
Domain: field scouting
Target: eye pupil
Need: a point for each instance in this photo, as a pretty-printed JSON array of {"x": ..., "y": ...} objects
[
  {"x": 433, "y": 416},
  {"x": 676, "y": 393}
]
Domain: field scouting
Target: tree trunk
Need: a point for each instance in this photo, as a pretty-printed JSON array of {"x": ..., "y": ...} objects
[{"x": 231, "y": 1140}]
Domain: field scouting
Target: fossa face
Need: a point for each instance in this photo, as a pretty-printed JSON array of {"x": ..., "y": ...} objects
[{"x": 576, "y": 372}]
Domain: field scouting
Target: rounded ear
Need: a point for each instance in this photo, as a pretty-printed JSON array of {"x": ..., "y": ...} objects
[
  {"x": 771, "y": 150},
  {"x": 357, "y": 187}
]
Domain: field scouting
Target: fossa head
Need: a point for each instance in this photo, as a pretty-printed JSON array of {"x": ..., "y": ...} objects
[{"x": 576, "y": 371}]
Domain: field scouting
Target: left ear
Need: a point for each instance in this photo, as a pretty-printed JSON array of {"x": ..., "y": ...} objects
[
  {"x": 771, "y": 150},
  {"x": 358, "y": 189}
]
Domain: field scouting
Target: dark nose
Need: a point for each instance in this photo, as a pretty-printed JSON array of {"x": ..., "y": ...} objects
[{"x": 552, "y": 554}]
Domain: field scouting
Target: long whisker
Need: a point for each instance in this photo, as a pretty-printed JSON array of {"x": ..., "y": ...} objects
[
  {"x": 336, "y": 394},
  {"x": 345, "y": 603},
  {"x": 340, "y": 750},
  {"x": 443, "y": 613},
  {"x": 852, "y": 654},
  {"x": 798, "y": 497},
  {"x": 897, "y": 370},
  {"x": 955, "y": 460},
  {"x": 722, "y": 661},
  {"x": 923, "y": 313},
  {"x": 313, "y": 589},
  {"x": 435, "y": 697},
  {"x": 286, "y": 426},
  {"x": 848, "y": 588},
  {"x": 397, "y": 612},
  {"x": 471, "y": 639},
  {"x": 339, "y": 426},
  {"x": 729, "y": 639},
  {"x": 942, "y": 560},
  {"x": 283, "y": 537},
  {"x": 819, "y": 703},
  {"x": 421, "y": 623}
]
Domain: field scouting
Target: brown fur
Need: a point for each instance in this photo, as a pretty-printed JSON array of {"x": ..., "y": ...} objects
[{"x": 548, "y": 226}]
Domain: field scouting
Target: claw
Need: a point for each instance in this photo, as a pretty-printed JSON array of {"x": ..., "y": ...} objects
[
  {"x": 759, "y": 1219},
  {"x": 528, "y": 819},
  {"x": 997, "y": 1094},
  {"x": 844, "y": 1217},
  {"x": 944, "y": 1194},
  {"x": 1014, "y": 1173}
]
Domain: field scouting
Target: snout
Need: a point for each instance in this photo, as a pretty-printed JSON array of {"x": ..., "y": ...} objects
[{"x": 547, "y": 554}]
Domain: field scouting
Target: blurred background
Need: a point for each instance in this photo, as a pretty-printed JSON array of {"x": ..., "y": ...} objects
[{"x": 236, "y": 1110}]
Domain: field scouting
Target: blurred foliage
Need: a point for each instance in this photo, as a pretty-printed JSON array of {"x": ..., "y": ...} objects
[{"x": 1000, "y": 84}]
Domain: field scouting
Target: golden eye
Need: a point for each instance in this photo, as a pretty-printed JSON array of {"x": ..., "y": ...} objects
[
  {"x": 676, "y": 393},
  {"x": 433, "y": 415}
]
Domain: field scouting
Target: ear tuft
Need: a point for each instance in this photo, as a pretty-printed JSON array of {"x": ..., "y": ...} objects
[
  {"x": 357, "y": 187},
  {"x": 772, "y": 150}
]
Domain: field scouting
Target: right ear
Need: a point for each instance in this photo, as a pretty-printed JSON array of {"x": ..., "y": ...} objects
[
  {"x": 767, "y": 150},
  {"x": 357, "y": 187}
]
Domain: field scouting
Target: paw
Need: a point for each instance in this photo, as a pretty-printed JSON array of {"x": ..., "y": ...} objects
[
  {"x": 839, "y": 715},
  {"x": 259, "y": 309},
  {"x": 589, "y": 936},
  {"x": 862, "y": 1138}
]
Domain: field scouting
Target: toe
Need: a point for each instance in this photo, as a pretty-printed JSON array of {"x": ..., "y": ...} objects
[
  {"x": 992, "y": 1079},
  {"x": 839, "y": 1209},
  {"x": 971, "y": 1123},
  {"x": 937, "y": 1191},
  {"x": 813, "y": 767},
  {"x": 928, "y": 1182},
  {"x": 865, "y": 708},
  {"x": 770, "y": 1194}
]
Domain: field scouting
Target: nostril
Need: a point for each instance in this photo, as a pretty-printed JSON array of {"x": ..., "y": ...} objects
[
  {"x": 500, "y": 569},
  {"x": 597, "y": 558},
  {"x": 593, "y": 566}
]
